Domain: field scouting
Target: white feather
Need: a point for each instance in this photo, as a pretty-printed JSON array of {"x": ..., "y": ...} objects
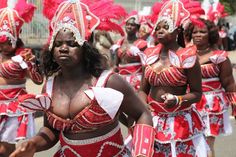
[{"x": 11, "y": 3}]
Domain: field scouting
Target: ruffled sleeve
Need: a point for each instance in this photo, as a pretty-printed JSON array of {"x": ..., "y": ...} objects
[
  {"x": 150, "y": 55},
  {"x": 218, "y": 56},
  {"x": 32, "y": 102},
  {"x": 184, "y": 58}
]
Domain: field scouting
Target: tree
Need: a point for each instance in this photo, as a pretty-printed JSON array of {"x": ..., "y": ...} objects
[{"x": 230, "y": 6}]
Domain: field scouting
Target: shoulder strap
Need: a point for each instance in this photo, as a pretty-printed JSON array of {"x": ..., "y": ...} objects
[
  {"x": 49, "y": 85},
  {"x": 102, "y": 80}
]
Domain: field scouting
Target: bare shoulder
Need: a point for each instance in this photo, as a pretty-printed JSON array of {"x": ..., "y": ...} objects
[{"x": 118, "y": 83}]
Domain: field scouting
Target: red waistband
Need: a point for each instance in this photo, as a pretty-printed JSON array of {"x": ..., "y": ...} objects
[
  {"x": 130, "y": 68},
  {"x": 211, "y": 86},
  {"x": 11, "y": 93},
  {"x": 110, "y": 144},
  {"x": 159, "y": 107}
]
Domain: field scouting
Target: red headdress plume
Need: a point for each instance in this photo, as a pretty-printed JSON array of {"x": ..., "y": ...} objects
[
  {"x": 82, "y": 17},
  {"x": 13, "y": 14},
  {"x": 215, "y": 14},
  {"x": 175, "y": 12}
]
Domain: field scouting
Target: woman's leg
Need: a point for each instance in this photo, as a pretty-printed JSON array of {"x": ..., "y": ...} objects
[{"x": 211, "y": 142}]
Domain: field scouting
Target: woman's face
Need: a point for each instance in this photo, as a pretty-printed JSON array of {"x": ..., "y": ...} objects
[
  {"x": 6, "y": 48},
  {"x": 162, "y": 34},
  {"x": 67, "y": 51},
  {"x": 143, "y": 32},
  {"x": 200, "y": 35},
  {"x": 131, "y": 27}
]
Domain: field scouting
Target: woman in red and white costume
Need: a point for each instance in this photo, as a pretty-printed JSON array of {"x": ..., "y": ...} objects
[
  {"x": 215, "y": 13},
  {"x": 171, "y": 84},
  {"x": 16, "y": 64},
  {"x": 218, "y": 84},
  {"x": 127, "y": 52},
  {"x": 83, "y": 100}
]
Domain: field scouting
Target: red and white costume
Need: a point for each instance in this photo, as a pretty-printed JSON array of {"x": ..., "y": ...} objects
[
  {"x": 213, "y": 106},
  {"x": 105, "y": 102},
  {"x": 15, "y": 122},
  {"x": 131, "y": 72},
  {"x": 179, "y": 130}
]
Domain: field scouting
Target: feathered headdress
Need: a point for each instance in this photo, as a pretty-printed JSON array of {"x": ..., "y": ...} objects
[
  {"x": 13, "y": 14},
  {"x": 82, "y": 17},
  {"x": 175, "y": 12},
  {"x": 214, "y": 14},
  {"x": 133, "y": 14}
]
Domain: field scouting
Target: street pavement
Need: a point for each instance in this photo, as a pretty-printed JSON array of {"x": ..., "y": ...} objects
[{"x": 224, "y": 147}]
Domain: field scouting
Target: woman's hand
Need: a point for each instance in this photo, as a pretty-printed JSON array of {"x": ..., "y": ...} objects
[
  {"x": 26, "y": 149},
  {"x": 170, "y": 100},
  {"x": 27, "y": 55}
]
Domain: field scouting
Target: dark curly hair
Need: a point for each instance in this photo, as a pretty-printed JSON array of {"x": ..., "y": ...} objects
[
  {"x": 19, "y": 43},
  {"x": 213, "y": 34},
  {"x": 93, "y": 61}
]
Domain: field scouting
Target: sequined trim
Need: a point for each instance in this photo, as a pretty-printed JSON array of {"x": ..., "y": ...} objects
[{"x": 91, "y": 140}]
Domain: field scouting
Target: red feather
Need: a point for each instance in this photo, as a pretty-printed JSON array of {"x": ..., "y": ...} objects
[
  {"x": 25, "y": 10},
  {"x": 3, "y": 4},
  {"x": 195, "y": 21},
  {"x": 50, "y": 7},
  {"x": 107, "y": 25},
  {"x": 108, "y": 13}
]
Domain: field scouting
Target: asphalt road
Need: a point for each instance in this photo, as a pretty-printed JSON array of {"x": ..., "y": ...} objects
[{"x": 224, "y": 147}]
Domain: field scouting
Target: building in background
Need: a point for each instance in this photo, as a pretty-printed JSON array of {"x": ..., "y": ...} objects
[{"x": 36, "y": 33}]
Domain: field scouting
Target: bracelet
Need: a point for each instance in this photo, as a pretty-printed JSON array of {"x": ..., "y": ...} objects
[
  {"x": 180, "y": 99},
  {"x": 143, "y": 140}
]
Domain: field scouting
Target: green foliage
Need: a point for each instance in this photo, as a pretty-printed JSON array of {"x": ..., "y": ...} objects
[{"x": 230, "y": 6}]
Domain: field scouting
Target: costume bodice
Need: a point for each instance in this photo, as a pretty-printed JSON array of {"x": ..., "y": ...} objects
[
  {"x": 173, "y": 75},
  {"x": 101, "y": 111},
  {"x": 12, "y": 69},
  {"x": 212, "y": 69},
  {"x": 133, "y": 50}
]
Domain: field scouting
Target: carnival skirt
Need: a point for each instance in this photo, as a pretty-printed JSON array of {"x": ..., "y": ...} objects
[
  {"x": 108, "y": 145},
  {"x": 178, "y": 134},
  {"x": 15, "y": 122},
  {"x": 214, "y": 109}
]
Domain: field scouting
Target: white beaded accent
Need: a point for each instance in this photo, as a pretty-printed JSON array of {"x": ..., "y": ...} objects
[
  {"x": 146, "y": 140},
  {"x": 169, "y": 21},
  {"x": 121, "y": 147},
  {"x": 144, "y": 151},
  {"x": 72, "y": 28},
  {"x": 9, "y": 35}
]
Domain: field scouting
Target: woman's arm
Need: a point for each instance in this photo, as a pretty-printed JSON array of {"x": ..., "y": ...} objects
[
  {"x": 134, "y": 107},
  {"x": 132, "y": 104},
  {"x": 194, "y": 78},
  {"x": 45, "y": 139},
  {"x": 228, "y": 83},
  {"x": 226, "y": 76},
  {"x": 33, "y": 71},
  {"x": 144, "y": 88}
]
